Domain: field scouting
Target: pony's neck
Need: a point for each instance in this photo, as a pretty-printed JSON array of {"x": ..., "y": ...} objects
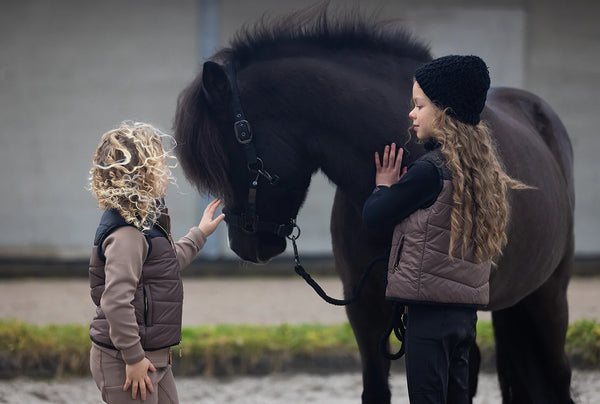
[
  {"x": 341, "y": 110},
  {"x": 348, "y": 161},
  {"x": 359, "y": 106}
]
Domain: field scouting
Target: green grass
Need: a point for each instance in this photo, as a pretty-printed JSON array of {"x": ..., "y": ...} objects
[
  {"x": 27, "y": 349},
  {"x": 63, "y": 350},
  {"x": 583, "y": 343}
]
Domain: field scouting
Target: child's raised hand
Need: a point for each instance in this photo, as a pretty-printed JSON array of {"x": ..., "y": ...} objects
[
  {"x": 207, "y": 224},
  {"x": 388, "y": 171}
]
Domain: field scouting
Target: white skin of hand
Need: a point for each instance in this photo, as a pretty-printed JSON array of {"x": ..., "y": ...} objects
[
  {"x": 387, "y": 172},
  {"x": 137, "y": 377},
  {"x": 207, "y": 224}
]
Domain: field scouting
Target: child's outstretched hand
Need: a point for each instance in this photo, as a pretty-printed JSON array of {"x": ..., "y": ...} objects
[
  {"x": 388, "y": 171},
  {"x": 207, "y": 224}
]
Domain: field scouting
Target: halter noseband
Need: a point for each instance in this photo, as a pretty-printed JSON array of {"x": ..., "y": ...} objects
[{"x": 249, "y": 221}]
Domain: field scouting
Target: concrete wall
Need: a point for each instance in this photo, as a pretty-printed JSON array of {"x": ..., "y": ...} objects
[
  {"x": 71, "y": 70},
  {"x": 563, "y": 59}
]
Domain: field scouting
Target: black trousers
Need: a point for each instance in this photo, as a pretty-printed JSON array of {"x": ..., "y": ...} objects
[{"x": 438, "y": 342}]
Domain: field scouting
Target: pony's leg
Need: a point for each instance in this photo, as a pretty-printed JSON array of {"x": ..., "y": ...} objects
[
  {"x": 369, "y": 322},
  {"x": 530, "y": 338},
  {"x": 368, "y": 317}
]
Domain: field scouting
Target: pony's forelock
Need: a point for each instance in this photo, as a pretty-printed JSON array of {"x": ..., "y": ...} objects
[{"x": 201, "y": 151}]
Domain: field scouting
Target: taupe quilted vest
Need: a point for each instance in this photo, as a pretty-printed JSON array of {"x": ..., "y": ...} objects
[
  {"x": 420, "y": 268},
  {"x": 158, "y": 299}
]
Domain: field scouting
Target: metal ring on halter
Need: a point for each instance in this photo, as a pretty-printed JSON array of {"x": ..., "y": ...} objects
[
  {"x": 294, "y": 226},
  {"x": 258, "y": 166}
]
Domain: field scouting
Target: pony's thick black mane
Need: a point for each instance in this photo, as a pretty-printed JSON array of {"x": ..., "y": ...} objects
[
  {"x": 300, "y": 33},
  {"x": 316, "y": 26}
]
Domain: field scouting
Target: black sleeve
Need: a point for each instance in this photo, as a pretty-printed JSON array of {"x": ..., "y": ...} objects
[{"x": 418, "y": 188}]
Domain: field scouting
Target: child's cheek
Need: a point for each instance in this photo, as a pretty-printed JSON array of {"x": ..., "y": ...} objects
[{"x": 164, "y": 185}]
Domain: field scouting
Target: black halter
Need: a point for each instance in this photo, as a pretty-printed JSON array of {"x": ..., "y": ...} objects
[{"x": 249, "y": 221}]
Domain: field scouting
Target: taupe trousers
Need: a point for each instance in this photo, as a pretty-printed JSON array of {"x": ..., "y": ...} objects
[{"x": 108, "y": 371}]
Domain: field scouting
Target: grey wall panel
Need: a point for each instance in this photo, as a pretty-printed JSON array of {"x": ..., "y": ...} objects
[{"x": 70, "y": 70}]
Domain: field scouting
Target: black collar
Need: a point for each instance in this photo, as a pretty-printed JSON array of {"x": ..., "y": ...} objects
[{"x": 432, "y": 144}]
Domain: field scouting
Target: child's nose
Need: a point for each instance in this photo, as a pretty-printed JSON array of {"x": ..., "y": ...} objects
[{"x": 411, "y": 114}]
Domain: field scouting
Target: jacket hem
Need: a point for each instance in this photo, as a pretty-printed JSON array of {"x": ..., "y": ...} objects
[
  {"x": 103, "y": 345},
  {"x": 432, "y": 303}
]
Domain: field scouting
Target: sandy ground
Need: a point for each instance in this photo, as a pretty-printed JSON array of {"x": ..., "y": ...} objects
[
  {"x": 268, "y": 301},
  {"x": 281, "y": 388}
]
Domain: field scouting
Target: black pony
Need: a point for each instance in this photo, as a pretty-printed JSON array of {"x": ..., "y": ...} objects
[{"x": 322, "y": 93}]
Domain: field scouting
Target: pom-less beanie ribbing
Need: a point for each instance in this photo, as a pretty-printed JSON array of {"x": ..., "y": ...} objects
[{"x": 456, "y": 82}]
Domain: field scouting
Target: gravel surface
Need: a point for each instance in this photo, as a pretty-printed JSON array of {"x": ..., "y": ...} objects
[{"x": 282, "y": 388}]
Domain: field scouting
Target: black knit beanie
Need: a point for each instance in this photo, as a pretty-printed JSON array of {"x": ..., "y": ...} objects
[{"x": 456, "y": 82}]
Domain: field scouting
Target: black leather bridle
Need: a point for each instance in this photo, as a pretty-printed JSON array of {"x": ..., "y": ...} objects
[{"x": 249, "y": 220}]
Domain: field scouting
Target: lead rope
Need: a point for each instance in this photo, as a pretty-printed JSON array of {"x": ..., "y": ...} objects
[
  {"x": 397, "y": 325},
  {"x": 338, "y": 302}
]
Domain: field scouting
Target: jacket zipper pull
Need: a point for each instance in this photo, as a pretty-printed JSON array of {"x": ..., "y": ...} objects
[
  {"x": 169, "y": 237},
  {"x": 172, "y": 243}
]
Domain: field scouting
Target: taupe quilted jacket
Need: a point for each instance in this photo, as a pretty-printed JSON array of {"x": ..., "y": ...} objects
[
  {"x": 420, "y": 268},
  {"x": 136, "y": 285}
]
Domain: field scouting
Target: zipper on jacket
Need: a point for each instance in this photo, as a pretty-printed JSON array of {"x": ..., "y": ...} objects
[
  {"x": 398, "y": 255},
  {"x": 168, "y": 236}
]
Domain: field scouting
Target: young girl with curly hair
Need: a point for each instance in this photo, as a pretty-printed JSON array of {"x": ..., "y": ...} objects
[
  {"x": 135, "y": 267},
  {"x": 450, "y": 211}
]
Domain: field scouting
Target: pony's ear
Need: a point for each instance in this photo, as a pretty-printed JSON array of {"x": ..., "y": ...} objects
[{"x": 215, "y": 85}]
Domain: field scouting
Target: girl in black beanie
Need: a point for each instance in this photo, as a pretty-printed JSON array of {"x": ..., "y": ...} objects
[{"x": 450, "y": 211}]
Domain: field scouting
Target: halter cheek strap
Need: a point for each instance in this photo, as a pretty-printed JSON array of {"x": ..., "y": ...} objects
[{"x": 249, "y": 221}]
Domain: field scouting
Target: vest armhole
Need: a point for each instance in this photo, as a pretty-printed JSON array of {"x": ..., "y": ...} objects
[
  {"x": 440, "y": 179},
  {"x": 101, "y": 254}
]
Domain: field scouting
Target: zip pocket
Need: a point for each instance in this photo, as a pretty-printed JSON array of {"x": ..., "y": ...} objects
[
  {"x": 147, "y": 306},
  {"x": 398, "y": 255}
]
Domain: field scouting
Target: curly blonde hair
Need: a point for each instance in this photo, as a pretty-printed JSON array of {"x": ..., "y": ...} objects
[
  {"x": 130, "y": 173},
  {"x": 480, "y": 183}
]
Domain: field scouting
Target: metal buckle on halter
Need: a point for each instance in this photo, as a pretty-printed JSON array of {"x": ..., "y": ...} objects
[{"x": 243, "y": 131}]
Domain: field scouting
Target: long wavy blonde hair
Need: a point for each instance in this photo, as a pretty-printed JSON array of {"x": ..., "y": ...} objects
[
  {"x": 480, "y": 212},
  {"x": 130, "y": 173}
]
